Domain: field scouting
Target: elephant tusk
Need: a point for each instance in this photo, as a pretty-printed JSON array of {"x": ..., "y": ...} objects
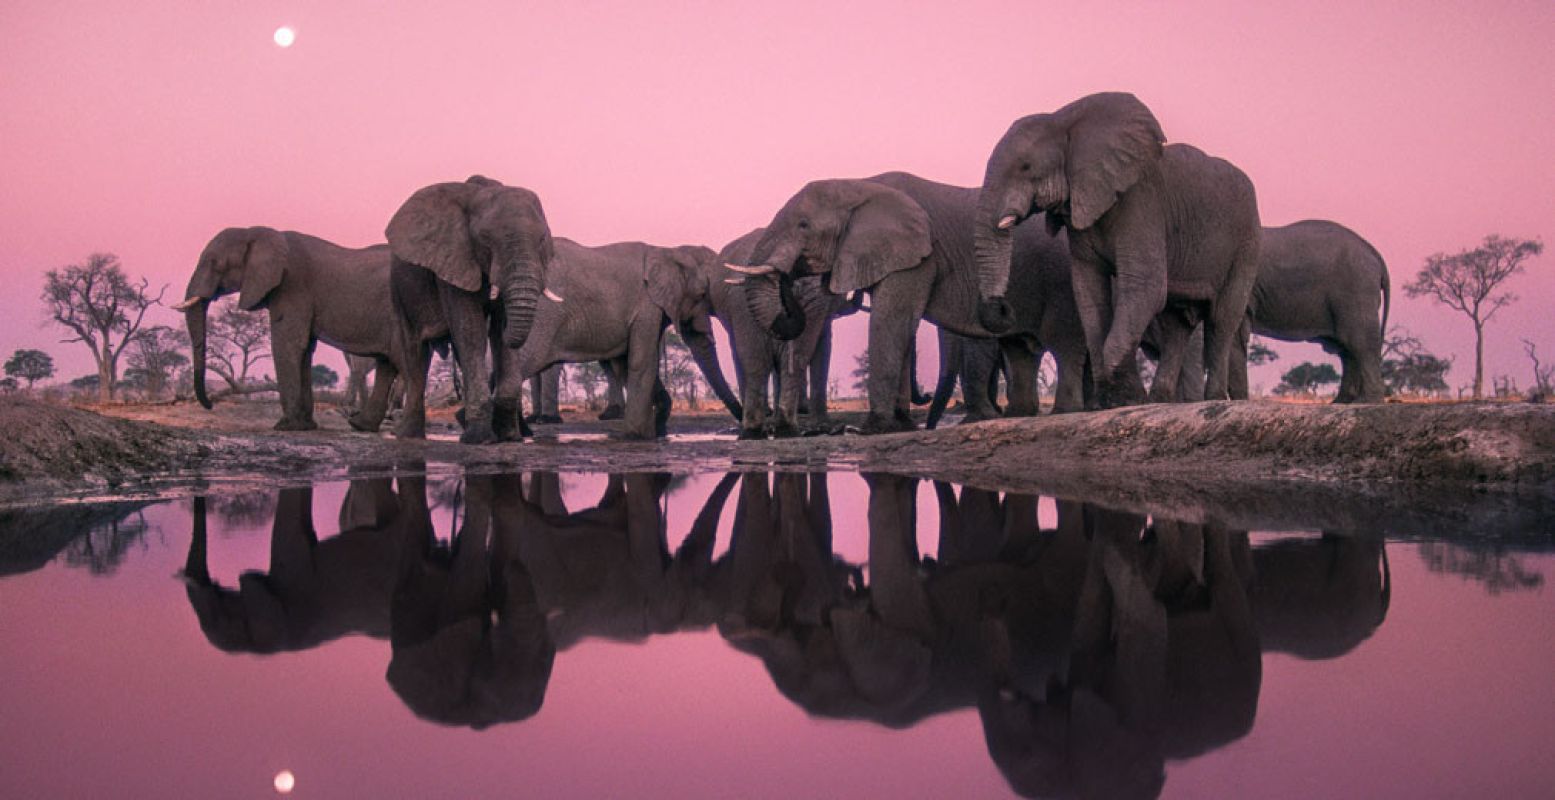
[
  {"x": 495, "y": 292},
  {"x": 1008, "y": 222},
  {"x": 764, "y": 269},
  {"x": 734, "y": 281},
  {"x": 188, "y": 303},
  {"x": 554, "y": 297}
]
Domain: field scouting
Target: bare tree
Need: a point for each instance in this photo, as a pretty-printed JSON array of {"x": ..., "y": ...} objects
[
  {"x": 1468, "y": 281},
  {"x": 102, "y": 307},
  {"x": 1542, "y": 375},
  {"x": 238, "y": 341}
]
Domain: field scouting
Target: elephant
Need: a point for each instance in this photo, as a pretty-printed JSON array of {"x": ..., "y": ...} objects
[
  {"x": 1150, "y": 227},
  {"x": 357, "y": 391},
  {"x": 976, "y": 363},
  {"x": 1319, "y": 281},
  {"x": 761, "y": 359},
  {"x": 470, "y": 262},
  {"x": 907, "y": 242},
  {"x": 618, "y": 298},
  {"x": 315, "y": 291}
]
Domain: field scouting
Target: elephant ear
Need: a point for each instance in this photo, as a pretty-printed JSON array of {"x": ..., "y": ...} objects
[
  {"x": 263, "y": 267},
  {"x": 432, "y": 230},
  {"x": 886, "y": 233},
  {"x": 666, "y": 282},
  {"x": 1113, "y": 139}
]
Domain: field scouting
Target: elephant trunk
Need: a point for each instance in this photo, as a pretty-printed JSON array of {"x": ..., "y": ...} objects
[
  {"x": 993, "y": 243},
  {"x": 195, "y": 318},
  {"x": 705, "y": 351},
  {"x": 520, "y": 294},
  {"x": 771, "y": 301}
]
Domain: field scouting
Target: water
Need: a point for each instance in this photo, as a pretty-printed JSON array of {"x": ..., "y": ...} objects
[{"x": 803, "y": 635}]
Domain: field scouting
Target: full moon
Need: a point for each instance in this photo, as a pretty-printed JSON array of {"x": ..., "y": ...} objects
[
  {"x": 285, "y": 781},
  {"x": 284, "y": 36}
]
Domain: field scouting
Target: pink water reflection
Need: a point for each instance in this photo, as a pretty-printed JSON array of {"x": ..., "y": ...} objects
[{"x": 112, "y": 689}]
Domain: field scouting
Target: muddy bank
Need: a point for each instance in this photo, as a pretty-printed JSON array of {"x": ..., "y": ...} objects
[{"x": 1261, "y": 460}]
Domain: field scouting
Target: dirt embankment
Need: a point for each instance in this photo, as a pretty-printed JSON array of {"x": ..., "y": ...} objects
[{"x": 1238, "y": 454}]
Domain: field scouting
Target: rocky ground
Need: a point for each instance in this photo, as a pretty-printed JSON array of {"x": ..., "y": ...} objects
[{"x": 1399, "y": 463}]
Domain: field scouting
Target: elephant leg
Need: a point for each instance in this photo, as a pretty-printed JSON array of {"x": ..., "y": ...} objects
[
  {"x": 1361, "y": 341},
  {"x": 1138, "y": 296},
  {"x": 507, "y": 413},
  {"x": 1175, "y": 332},
  {"x": 1236, "y": 368},
  {"x": 642, "y": 374},
  {"x": 898, "y": 303},
  {"x": 949, "y": 369},
  {"x": 550, "y": 394},
  {"x": 615, "y": 396},
  {"x": 1023, "y": 363},
  {"x": 1093, "y": 302},
  {"x": 416, "y": 357},
  {"x": 979, "y": 365},
  {"x": 291, "y": 350},
  {"x": 820, "y": 375},
  {"x": 663, "y": 404},
  {"x": 789, "y": 386},
  {"x": 376, "y": 406},
  {"x": 1220, "y": 329},
  {"x": 1190, "y": 379},
  {"x": 467, "y": 326},
  {"x": 756, "y": 369}
]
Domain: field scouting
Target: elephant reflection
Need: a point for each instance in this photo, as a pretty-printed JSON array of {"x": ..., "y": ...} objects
[
  {"x": 314, "y": 591},
  {"x": 1092, "y": 652}
]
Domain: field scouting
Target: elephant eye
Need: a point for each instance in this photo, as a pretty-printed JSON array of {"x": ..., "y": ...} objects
[
  {"x": 804, "y": 224},
  {"x": 1025, "y": 167}
]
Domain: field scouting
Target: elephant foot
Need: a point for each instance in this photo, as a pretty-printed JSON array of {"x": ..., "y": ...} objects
[
  {"x": 459, "y": 417},
  {"x": 631, "y": 436},
  {"x": 287, "y": 424},
  {"x": 823, "y": 429},
  {"x": 751, "y": 435},
  {"x": 975, "y": 416},
  {"x": 478, "y": 432},
  {"x": 611, "y": 412},
  {"x": 879, "y": 423},
  {"x": 784, "y": 430},
  {"x": 358, "y": 422},
  {"x": 547, "y": 419},
  {"x": 411, "y": 428},
  {"x": 506, "y": 424}
]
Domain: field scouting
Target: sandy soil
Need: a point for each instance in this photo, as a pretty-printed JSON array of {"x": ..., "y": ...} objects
[{"x": 1400, "y": 465}]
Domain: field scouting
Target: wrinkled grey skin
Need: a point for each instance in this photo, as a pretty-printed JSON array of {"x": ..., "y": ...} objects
[
  {"x": 974, "y": 362},
  {"x": 1190, "y": 378},
  {"x": 315, "y": 291},
  {"x": 1319, "y": 281},
  {"x": 357, "y": 391},
  {"x": 615, "y": 302},
  {"x": 545, "y": 397},
  {"x": 470, "y": 262},
  {"x": 908, "y": 243},
  {"x": 1149, "y": 227},
  {"x": 762, "y": 359}
]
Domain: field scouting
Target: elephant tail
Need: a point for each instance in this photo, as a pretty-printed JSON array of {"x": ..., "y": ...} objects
[
  {"x": 942, "y": 392},
  {"x": 1387, "y": 287}
]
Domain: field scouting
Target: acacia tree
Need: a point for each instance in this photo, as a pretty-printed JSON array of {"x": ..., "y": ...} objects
[
  {"x": 237, "y": 341},
  {"x": 102, "y": 307},
  {"x": 31, "y": 366},
  {"x": 155, "y": 356},
  {"x": 678, "y": 370},
  {"x": 1408, "y": 367},
  {"x": 1259, "y": 353},
  {"x": 1543, "y": 374},
  {"x": 588, "y": 376},
  {"x": 1469, "y": 281},
  {"x": 1306, "y": 377}
]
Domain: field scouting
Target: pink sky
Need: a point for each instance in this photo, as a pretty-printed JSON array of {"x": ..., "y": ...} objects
[{"x": 143, "y": 128}]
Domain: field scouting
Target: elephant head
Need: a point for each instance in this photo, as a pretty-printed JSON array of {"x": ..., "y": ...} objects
[
  {"x": 1073, "y": 164},
  {"x": 851, "y": 233},
  {"x": 476, "y": 236},
  {"x": 250, "y": 261},
  {"x": 679, "y": 282}
]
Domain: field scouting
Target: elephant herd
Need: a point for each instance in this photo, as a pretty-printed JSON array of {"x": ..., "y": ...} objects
[
  {"x": 1142, "y": 244},
  {"x": 1092, "y": 651}
]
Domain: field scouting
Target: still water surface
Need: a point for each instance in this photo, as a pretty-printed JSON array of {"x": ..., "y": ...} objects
[{"x": 756, "y": 635}]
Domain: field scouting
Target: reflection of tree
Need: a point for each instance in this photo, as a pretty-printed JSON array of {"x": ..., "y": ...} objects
[
  {"x": 104, "y": 545},
  {"x": 252, "y": 509},
  {"x": 1497, "y": 569}
]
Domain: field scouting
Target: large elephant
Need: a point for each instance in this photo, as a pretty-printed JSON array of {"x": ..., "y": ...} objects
[
  {"x": 1149, "y": 227},
  {"x": 976, "y": 364},
  {"x": 760, "y": 358},
  {"x": 315, "y": 291},
  {"x": 611, "y": 303},
  {"x": 1319, "y": 281},
  {"x": 908, "y": 242},
  {"x": 470, "y": 261}
]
